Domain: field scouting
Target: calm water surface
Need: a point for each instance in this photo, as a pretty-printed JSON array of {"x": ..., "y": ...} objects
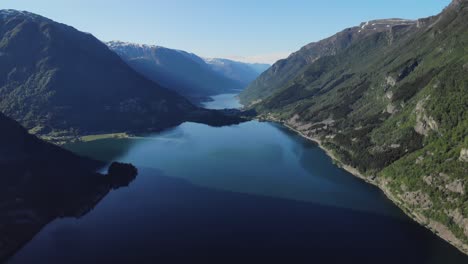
[
  {"x": 223, "y": 101},
  {"x": 249, "y": 193}
]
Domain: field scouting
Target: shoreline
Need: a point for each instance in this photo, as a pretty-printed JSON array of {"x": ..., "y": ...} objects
[
  {"x": 435, "y": 227},
  {"x": 431, "y": 225}
]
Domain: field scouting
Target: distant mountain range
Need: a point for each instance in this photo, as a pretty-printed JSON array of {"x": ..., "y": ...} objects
[
  {"x": 389, "y": 99},
  {"x": 184, "y": 72},
  {"x": 242, "y": 72},
  {"x": 55, "y": 79}
]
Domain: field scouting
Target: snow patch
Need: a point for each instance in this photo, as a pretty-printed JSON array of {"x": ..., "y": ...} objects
[
  {"x": 365, "y": 24},
  {"x": 6, "y": 13},
  {"x": 120, "y": 44}
]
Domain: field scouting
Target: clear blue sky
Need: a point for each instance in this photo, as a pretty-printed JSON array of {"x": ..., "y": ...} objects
[{"x": 255, "y": 29}]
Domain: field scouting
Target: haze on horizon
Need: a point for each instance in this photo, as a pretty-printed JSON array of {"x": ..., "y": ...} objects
[{"x": 250, "y": 31}]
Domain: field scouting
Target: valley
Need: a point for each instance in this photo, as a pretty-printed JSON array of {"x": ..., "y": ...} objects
[
  {"x": 354, "y": 148},
  {"x": 232, "y": 185},
  {"x": 380, "y": 97}
]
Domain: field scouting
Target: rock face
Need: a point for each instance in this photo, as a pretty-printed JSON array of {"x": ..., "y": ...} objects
[
  {"x": 424, "y": 123},
  {"x": 389, "y": 95},
  {"x": 456, "y": 4},
  {"x": 390, "y": 81},
  {"x": 391, "y": 109},
  {"x": 464, "y": 155},
  {"x": 461, "y": 221},
  {"x": 428, "y": 180},
  {"x": 456, "y": 186},
  {"x": 417, "y": 199}
]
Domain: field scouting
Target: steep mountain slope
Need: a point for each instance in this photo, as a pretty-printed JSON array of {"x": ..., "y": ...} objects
[
  {"x": 392, "y": 106},
  {"x": 56, "y": 78},
  {"x": 285, "y": 70},
  {"x": 40, "y": 182},
  {"x": 17, "y": 145},
  {"x": 242, "y": 72},
  {"x": 259, "y": 67},
  {"x": 27, "y": 165},
  {"x": 181, "y": 71}
]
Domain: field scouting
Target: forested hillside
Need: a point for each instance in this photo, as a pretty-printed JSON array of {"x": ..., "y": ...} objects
[{"x": 390, "y": 99}]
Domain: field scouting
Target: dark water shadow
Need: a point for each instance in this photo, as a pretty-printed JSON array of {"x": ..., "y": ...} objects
[
  {"x": 213, "y": 225},
  {"x": 104, "y": 149},
  {"x": 35, "y": 192},
  {"x": 169, "y": 220}
]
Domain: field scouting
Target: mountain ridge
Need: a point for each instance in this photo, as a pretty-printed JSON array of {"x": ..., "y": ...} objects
[
  {"x": 49, "y": 70},
  {"x": 284, "y": 70},
  {"x": 242, "y": 72},
  {"x": 60, "y": 82},
  {"x": 178, "y": 70},
  {"x": 391, "y": 107}
]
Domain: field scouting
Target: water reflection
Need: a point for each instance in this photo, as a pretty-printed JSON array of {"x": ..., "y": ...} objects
[
  {"x": 253, "y": 157},
  {"x": 164, "y": 219},
  {"x": 34, "y": 193},
  {"x": 214, "y": 195},
  {"x": 105, "y": 149}
]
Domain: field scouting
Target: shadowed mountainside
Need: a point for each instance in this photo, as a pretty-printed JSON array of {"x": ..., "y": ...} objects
[
  {"x": 57, "y": 80},
  {"x": 40, "y": 182},
  {"x": 183, "y": 72}
]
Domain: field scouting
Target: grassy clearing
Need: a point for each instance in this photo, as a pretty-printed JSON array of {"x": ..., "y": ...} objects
[{"x": 103, "y": 136}]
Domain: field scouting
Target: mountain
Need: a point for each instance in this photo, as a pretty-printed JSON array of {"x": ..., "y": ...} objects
[
  {"x": 17, "y": 145},
  {"x": 56, "y": 78},
  {"x": 178, "y": 70},
  {"x": 28, "y": 166},
  {"x": 259, "y": 67},
  {"x": 242, "y": 72},
  {"x": 40, "y": 182},
  {"x": 287, "y": 69},
  {"x": 389, "y": 100}
]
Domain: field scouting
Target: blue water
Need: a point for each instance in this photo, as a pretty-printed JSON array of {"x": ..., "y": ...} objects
[
  {"x": 223, "y": 101},
  {"x": 249, "y": 193}
]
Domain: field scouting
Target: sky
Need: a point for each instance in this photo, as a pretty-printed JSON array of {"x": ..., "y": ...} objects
[{"x": 245, "y": 30}]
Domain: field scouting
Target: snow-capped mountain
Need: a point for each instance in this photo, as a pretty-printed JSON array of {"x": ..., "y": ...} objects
[{"x": 184, "y": 72}]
